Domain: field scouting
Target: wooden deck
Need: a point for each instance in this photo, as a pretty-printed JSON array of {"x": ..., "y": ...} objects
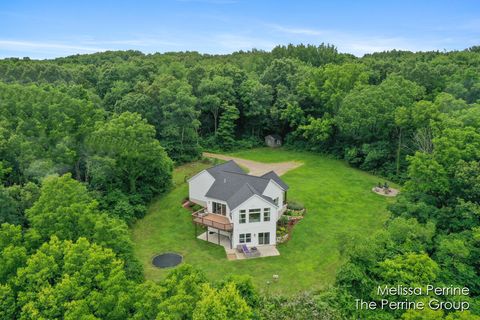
[{"x": 212, "y": 220}]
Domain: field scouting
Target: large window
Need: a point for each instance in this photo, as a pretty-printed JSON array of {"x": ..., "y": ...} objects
[
  {"x": 266, "y": 214},
  {"x": 264, "y": 238},
  {"x": 245, "y": 238},
  {"x": 254, "y": 215},
  {"x": 219, "y": 208},
  {"x": 243, "y": 216}
]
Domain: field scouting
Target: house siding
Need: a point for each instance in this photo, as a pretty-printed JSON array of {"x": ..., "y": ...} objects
[
  {"x": 274, "y": 191},
  {"x": 197, "y": 187},
  {"x": 254, "y": 228}
]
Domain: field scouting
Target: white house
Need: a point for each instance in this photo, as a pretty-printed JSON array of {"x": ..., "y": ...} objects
[{"x": 238, "y": 206}]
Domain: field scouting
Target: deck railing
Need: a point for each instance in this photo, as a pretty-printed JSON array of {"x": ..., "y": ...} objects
[{"x": 204, "y": 218}]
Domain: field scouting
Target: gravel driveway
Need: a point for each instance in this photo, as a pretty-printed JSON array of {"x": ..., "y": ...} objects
[{"x": 258, "y": 168}]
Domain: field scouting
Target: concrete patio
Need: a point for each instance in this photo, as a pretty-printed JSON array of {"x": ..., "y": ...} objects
[
  {"x": 213, "y": 238},
  {"x": 265, "y": 251},
  {"x": 232, "y": 254}
]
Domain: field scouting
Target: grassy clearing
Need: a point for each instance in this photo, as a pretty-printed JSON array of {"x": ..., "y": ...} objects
[{"x": 339, "y": 201}]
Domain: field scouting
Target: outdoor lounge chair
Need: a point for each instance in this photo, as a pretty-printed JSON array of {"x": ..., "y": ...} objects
[{"x": 245, "y": 251}]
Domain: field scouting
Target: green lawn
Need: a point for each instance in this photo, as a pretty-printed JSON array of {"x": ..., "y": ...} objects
[{"x": 339, "y": 202}]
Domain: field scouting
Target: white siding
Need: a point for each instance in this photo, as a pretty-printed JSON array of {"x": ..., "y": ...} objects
[
  {"x": 274, "y": 191},
  {"x": 254, "y": 228},
  {"x": 198, "y": 187}
]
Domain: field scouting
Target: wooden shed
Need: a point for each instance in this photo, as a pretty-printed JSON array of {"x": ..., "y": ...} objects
[{"x": 273, "y": 140}]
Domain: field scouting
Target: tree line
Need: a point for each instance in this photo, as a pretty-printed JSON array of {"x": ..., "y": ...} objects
[{"x": 86, "y": 141}]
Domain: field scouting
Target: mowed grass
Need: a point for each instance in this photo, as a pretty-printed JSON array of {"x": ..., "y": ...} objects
[{"x": 340, "y": 205}]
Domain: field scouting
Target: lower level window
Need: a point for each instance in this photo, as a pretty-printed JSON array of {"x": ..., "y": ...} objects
[
  {"x": 245, "y": 238},
  {"x": 264, "y": 238}
]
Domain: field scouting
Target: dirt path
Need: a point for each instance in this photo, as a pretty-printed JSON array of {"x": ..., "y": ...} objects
[{"x": 258, "y": 168}]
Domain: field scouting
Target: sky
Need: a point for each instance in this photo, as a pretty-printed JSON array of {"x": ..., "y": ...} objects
[{"x": 49, "y": 29}]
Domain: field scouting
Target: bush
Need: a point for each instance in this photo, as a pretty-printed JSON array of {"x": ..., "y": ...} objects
[
  {"x": 294, "y": 213},
  {"x": 292, "y": 205},
  {"x": 303, "y": 305},
  {"x": 281, "y": 231},
  {"x": 376, "y": 155},
  {"x": 283, "y": 221},
  {"x": 249, "y": 142},
  {"x": 353, "y": 156},
  {"x": 206, "y": 160},
  {"x": 128, "y": 207}
]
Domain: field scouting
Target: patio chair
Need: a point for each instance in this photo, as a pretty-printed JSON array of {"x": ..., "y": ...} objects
[
  {"x": 254, "y": 252},
  {"x": 246, "y": 252}
]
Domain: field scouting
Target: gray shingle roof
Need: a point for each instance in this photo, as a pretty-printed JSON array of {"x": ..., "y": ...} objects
[
  {"x": 272, "y": 175},
  {"x": 245, "y": 192},
  {"x": 234, "y": 186},
  {"x": 230, "y": 166}
]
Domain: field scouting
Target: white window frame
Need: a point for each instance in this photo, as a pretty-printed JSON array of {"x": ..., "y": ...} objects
[
  {"x": 266, "y": 213},
  {"x": 255, "y": 211},
  {"x": 219, "y": 208},
  {"x": 242, "y": 217},
  {"x": 245, "y": 238},
  {"x": 263, "y": 237}
]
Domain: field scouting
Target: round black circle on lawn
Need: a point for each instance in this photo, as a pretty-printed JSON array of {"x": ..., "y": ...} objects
[{"x": 166, "y": 260}]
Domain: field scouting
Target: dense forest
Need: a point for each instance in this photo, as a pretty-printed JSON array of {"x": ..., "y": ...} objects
[{"x": 87, "y": 141}]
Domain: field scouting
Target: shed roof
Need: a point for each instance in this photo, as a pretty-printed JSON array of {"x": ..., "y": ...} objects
[{"x": 275, "y": 136}]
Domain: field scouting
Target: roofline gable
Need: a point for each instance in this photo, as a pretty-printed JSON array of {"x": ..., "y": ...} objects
[
  {"x": 217, "y": 200},
  {"x": 271, "y": 172},
  {"x": 275, "y": 182},
  {"x": 254, "y": 195},
  {"x": 201, "y": 173}
]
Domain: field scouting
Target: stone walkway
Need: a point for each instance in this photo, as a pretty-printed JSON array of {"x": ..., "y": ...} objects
[{"x": 258, "y": 168}]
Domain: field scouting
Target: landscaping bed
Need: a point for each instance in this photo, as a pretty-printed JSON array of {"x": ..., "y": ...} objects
[{"x": 294, "y": 213}]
